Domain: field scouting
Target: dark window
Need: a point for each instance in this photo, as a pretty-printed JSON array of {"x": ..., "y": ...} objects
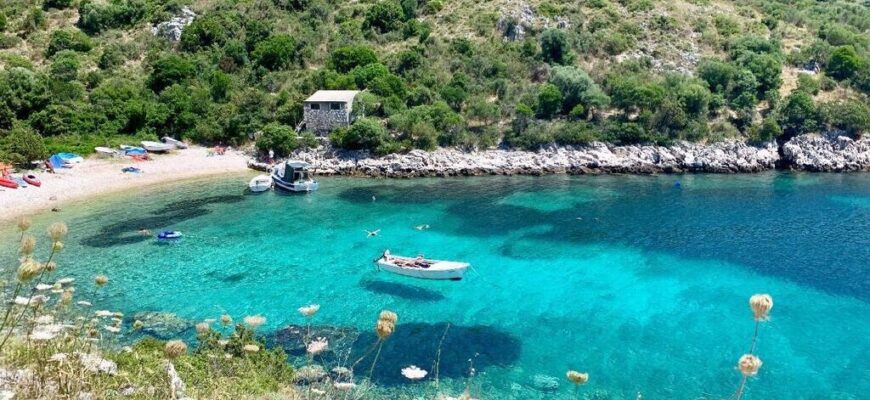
[
  {"x": 315, "y": 106},
  {"x": 335, "y": 106}
]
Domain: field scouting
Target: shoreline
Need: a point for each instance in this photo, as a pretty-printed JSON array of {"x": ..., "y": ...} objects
[{"x": 102, "y": 176}]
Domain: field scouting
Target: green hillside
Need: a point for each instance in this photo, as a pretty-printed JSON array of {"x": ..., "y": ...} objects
[{"x": 75, "y": 74}]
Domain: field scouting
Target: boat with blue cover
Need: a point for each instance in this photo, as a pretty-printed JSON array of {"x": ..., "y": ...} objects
[{"x": 294, "y": 176}]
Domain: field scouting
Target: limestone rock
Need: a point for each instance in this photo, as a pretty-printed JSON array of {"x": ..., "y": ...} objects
[
  {"x": 162, "y": 325},
  {"x": 310, "y": 374},
  {"x": 545, "y": 383},
  {"x": 173, "y": 28},
  {"x": 831, "y": 152}
]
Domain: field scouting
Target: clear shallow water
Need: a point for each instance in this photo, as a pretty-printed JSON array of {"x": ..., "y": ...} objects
[{"x": 641, "y": 284}]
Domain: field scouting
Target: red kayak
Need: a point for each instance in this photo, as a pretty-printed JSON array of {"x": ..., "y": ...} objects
[
  {"x": 32, "y": 180},
  {"x": 6, "y": 182}
]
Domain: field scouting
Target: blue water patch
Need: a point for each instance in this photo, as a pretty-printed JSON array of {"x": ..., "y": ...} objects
[{"x": 642, "y": 284}]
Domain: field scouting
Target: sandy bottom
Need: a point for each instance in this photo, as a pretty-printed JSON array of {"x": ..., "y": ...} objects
[{"x": 97, "y": 176}]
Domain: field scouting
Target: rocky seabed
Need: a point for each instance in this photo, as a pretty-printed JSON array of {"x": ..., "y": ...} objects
[{"x": 830, "y": 153}]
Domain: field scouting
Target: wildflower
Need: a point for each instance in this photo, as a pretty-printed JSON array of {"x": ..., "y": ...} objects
[
  {"x": 66, "y": 297},
  {"x": 113, "y": 329},
  {"x": 93, "y": 333},
  {"x": 309, "y": 310},
  {"x": 137, "y": 325},
  {"x": 24, "y": 223},
  {"x": 50, "y": 266},
  {"x": 103, "y": 313},
  {"x": 57, "y": 231},
  {"x": 84, "y": 303},
  {"x": 761, "y": 305},
  {"x": 254, "y": 321},
  {"x": 344, "y": 386},
  {"x": 28, "y": 244},
  {"x": 57, "y": 247},
  {"x": 42, "y": 335},
  {"x": 318, "y": 346},
  {"x": 202, "y": 328},
  {"x": 223, "y": 342},
  {"x": 226, "y": 320},
  {"x": 414, "y": 373},
  {"x": 386, "y": 324},
  {"x": 101, "y": 280},
  {"x": 174, "y": 349},
  {"x": 749, "y": 365},
  {"x": 342, "y": 371},
  {"x": 28, "y": 270},
  {"x": 578, "y": 378},
  {"x": 251, "y": 348}
]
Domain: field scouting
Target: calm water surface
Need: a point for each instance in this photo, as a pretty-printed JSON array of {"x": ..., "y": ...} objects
[{"x": 640, "y": 283}]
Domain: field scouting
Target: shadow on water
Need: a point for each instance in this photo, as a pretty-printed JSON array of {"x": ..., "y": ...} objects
[
  {"x": 227, "y": 278},
  {"x": 401, "y": 290},
  {"x": 417, "y": 344},
  {"x": 125, "y": 232}
]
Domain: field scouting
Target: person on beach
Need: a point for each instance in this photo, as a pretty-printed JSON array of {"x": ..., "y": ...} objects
[
  {"x": 271, "y": 156},
  {"x": 144, "y": 232}
]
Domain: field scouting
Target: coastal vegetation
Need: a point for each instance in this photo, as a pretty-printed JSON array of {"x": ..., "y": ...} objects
[{"x": 75, "y": 74}]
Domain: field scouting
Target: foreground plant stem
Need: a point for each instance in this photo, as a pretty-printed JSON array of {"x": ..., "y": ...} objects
[{"x": 15, "y": 321}]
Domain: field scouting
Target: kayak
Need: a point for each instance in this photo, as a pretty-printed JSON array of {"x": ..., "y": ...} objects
[
  {"x": 33, "y": 180},
  {"x": 6, "y": 182}
]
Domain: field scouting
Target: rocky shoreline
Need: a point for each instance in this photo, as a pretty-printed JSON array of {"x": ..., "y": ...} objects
[{"x": 831, "y": 153}]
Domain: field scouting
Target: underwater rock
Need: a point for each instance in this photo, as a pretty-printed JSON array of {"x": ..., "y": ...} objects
[
  {"x": 293, "y": 338},
  {"x": 310, "y": 374},
  {"x": 162, "y": 325},
  {"x": 545, "y": 383}
]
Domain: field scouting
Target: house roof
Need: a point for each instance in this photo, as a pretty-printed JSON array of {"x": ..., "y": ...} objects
[{"x": 340, "y": 96}]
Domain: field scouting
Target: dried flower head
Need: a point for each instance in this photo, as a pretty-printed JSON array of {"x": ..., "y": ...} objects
[
  {"x": 577, "y": 378},
  {"x": 57, "y": 247},
  {"x": 101, "y": 280},
  {"x": 389, "y": 316},
  {"x": 28, "y": 244},
  {"x": 226, "y": 320},
  {"x": 66, "y": 297},
  {"x": 251, "y": 348},
  {"x": 24, "y": 223},
  {"x": 761, "y": 305},
  {"x": 57, "y": 231},
  {"x": 749, "y": 364},
  {"x": 28, "y": 270},
  {"x": 384, "y": 329},
  {"x": 309, "y": 310},
  {"x": 255, "y": 321},
  {"x": 414, "y": 373},
  {"x": 317, "y": 346},
  {"x": 174, "y": 349},
  {"x": 137, "y": 325},
  {"x": 202, "y": 328},
  {"x": 51, "y": 266}
]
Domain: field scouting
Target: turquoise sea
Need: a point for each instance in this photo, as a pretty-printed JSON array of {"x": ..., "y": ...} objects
[{"x": 640, "y": 283}]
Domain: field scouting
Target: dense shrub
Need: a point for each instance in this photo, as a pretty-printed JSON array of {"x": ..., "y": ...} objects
[
  {"x": 68, "y": 39},
  {"x": 549, "y": 101},
  {"x": 577, "y": 88},
  {"x": 365, "y": 133},
  {"x": 169, "y": 69},
  {"x": 276, "y": 52},
  {"x": 852, "y": 116},
  {"x": 22, "y": 144},
  {"x": 384, "y": 16},
  {"x": 844, "y": 63},
  {"x": 98, "y": 16},
  {"x": 58, "y": 4},
  {"x": 800, "y": 115},
  {"x": 22, "y": 91},
  {"x": 65, "y": 66},
  {"x": 555, "y": 47},
  {"x": 344, "y": 59},
  {"x": 279, "y": 138}
]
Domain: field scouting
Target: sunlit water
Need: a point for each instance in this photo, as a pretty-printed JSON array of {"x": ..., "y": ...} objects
[{"x": 640, "y": 283}]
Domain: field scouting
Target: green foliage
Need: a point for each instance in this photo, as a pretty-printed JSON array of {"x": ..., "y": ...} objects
[
  {"x": 844, "y": 63},
  {"x": 279, "y": 138},
  {"x": 276, "y": 52},
  {"x": 807, "y": 83},
  {"x": 577, "y": 88},
  {"x": 58, "y": 4},
  {"x": 169, "y": 69},
  {"x": 555, "y": 48},
  {"x": 344, "y": 59},
  {"x": 68, "y": 39},
  {"x": 852, "y": 116},
  {"x": 800, "y": 115},
  {"x": 98, "y": 16},
  {"x": 384, "y": 16},
  {"x": 549, "y": 101},
  {"x": 365, "y": 133},
  {"x": 22, "y": 92},
  {"x": 3, "y": 21},
  {"x": 22, "y": 145},
  {"x": 635, "y": 93},
  {"x": 65, "y": 66},
  {"x": 768, "y": 131},
  {"x": 206, "y": 31}
]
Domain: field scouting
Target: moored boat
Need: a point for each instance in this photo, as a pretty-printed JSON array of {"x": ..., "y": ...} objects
[
  {"x": 9, "y": 183},
  {"x": 156, "y": 147},
  {"x": 422, "y": 268},
  {"x": 260, "y": 183},
  {"x": 174, "y": 142},
  {"x": 169, "y": 235},
  {"x": 32, "y": 180},
  {"x": 295, "y": 176}
]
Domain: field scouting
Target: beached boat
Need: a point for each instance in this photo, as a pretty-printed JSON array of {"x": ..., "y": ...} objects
[
  {"x": 156, "y": 147},
  {"x": 32, "y": 180},
  {"x": 260, "y": 183},
  {"x": 133, "y": 150},
  {"x": 174, "y": 142},
  {"x": 295, "y": 176},
  {"x": 169, "y": 235},
  {"x": 419, "y": 267},
  {"x": 105, "y": 151},
  {"x": 21, "y": 182},
  {"x": 6, "y": 182}
]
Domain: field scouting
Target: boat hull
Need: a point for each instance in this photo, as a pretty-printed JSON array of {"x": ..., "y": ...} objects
[
  {"x": 9, "y": 183},
  {"x": 442, "y": 270},
  {"x": 32, "y": 180},
  {"x": 305, "y": 186},
  {"x": 157, "y": 147},
  {"x": 260, "y": 183}
]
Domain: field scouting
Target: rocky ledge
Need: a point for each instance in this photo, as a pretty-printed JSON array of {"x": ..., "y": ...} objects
[{"x": 809, "y": 152}]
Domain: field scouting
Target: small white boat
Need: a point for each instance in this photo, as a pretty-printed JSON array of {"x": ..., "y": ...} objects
[
  {"x": 156, "y": 147},
  {"x": 174, "y": 142},
  {"x": 105, "y": 151},
  {"x": 419, "y": 267},
  {"x": 260, "y": 183},
  {"x": 295, "y": 176}
]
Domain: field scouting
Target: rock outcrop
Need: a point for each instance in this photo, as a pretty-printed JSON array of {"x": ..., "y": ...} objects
[
  {"x": 172, "y": 29},
  {"x": 827, "y": 153}
]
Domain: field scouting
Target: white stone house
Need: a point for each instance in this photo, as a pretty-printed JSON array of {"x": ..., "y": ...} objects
[{"x": 326, "y": 110}]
